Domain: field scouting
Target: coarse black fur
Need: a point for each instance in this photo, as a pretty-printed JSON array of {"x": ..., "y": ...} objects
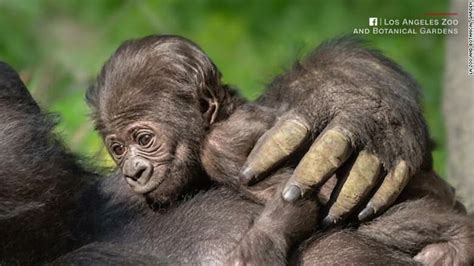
[
  {"x": 36, "y": 173},
  {"x": 167, "y": 85},
  {"x": 54, "y": 210}
]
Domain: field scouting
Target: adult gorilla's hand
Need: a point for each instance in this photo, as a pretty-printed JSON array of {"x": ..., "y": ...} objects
[
  {"x": 327, "y": 153},
  {"x": 355, "y": 108}
]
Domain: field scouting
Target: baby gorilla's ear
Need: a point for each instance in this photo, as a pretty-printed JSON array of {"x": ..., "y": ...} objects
[{"x": 209, "y": 106}]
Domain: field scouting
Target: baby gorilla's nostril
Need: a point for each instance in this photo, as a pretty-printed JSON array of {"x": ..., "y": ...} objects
[{"x": 138, "y": 170}]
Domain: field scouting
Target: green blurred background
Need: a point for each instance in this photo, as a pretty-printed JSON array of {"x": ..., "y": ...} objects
[{"x": 59, "y": 46}]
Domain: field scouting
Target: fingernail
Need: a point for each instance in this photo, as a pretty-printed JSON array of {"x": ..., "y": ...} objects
[
  {"x": 366, "y": 213},
  {"x": 291, "y": 193},
  {"x": 246, "y": 175},
  {"x": 327, "y": 221}
]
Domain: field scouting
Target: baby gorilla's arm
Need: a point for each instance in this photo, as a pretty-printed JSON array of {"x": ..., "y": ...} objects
[
  {"x": 229, "y": 142},
  {"x": 281, "y": 224}
]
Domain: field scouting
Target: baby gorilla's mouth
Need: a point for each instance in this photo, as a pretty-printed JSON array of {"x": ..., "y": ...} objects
[
  {"x": 154, "y": 178},
  {"x": 146, "y": 188}
]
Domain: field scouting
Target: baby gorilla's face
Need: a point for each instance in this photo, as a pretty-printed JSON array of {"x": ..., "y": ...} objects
[{"x": 152, "y": 162}]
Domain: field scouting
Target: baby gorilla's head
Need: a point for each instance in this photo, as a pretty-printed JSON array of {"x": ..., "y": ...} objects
[{"x": 152, "y": 103}]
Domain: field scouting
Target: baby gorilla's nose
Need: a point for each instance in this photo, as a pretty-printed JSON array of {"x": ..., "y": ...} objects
[{"x": 139, "y": 170}]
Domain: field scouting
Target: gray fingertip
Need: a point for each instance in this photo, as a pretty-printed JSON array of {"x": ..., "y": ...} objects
[
  {"x": 291, "y": 193},
  {"x": 327, "y": 222},
  {"x": 366, "y": 213},
  {"x": 246, "y": 175}
]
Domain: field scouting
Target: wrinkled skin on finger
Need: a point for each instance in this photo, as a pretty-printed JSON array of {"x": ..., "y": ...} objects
[
  {"x": 324, "y": 157},
  {"x": 388, "y": 192},
  {"x": 274, "y": 146},
  {"x": 360, "y": 180}
]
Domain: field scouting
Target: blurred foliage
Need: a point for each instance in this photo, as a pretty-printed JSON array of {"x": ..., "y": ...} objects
[{"x": 59, "y": 46}]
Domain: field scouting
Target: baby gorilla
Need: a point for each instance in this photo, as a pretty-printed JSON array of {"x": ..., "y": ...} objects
[{"x": 166, "y": 117}]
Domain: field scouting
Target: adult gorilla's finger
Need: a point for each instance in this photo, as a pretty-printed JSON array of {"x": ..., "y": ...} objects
[
  {"x": 387, "y": 193},
  {"x": 324, "y": 157},
  {"x": 361, "y": 179},
  {"x": 274, "y": 146}
]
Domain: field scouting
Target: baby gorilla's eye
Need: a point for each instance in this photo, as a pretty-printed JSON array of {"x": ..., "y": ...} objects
[
  {"x": 118, "y": 149},
  {"x": 144, "y": 139}
]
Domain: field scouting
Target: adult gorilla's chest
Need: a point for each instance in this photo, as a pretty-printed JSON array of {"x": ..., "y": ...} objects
[{"x": 205, "y": 228}]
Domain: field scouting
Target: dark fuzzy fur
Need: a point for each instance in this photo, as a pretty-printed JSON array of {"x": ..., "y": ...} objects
[{"x": 163, "y": 79}]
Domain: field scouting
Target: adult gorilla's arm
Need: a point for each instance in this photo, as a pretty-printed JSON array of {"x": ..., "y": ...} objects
[
  {"x": 345, "y": 98},
  {"x": 39, "y": 179}
]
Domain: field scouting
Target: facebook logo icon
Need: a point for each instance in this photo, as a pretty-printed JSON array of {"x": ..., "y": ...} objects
[{"x": 373, "y": 21}]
